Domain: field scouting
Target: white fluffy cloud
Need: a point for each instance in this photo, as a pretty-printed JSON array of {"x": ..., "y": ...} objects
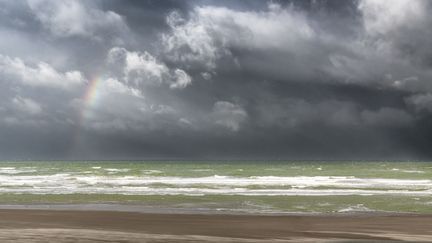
[
  {"x": 41, "y": 74},
  {"x": 182, "y": 79},
  {"x": 64, "y": 18},
  {"x": 190, "y": 42},
  {"x": 211, "y": 31},
  {"x": 111, "y": 85},
  {"x": 141, "y": 68},
  {"x": 138, "y": 67},
  {"x": 228, "y": 115},
  {"x": 384, "y": 17},
  {"x": 290, "y": 44}
]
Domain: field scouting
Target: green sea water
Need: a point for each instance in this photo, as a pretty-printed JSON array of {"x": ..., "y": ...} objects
[{"x": 223, "y": 186}]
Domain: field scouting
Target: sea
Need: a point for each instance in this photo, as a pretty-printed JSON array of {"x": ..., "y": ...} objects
[{"x": 257, "y": 187}]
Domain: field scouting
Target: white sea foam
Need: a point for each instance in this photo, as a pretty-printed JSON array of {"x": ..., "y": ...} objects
[
  {"x": 62, "y": 189},
  {"x": 409, "y": 171},
  {"x": 355, "y": 208},
  {"x": 414, "y": 171},
  {"x": 14, "y": 170},
  {"x": 7, "y": 168},
  {"x": 65, "y": 183},
  {"x": 150, "y": 172},
  {"x": 116, "y": 170}
]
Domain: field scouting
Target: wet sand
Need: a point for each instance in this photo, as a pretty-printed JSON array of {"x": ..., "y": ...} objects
[{"x": 28, "y": 225}]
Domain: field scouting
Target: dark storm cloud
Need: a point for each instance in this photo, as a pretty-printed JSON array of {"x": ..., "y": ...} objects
[{"x": 215, "y": 79}]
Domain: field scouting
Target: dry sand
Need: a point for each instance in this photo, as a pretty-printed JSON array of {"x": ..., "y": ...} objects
[{"x": 109, "y": 226}]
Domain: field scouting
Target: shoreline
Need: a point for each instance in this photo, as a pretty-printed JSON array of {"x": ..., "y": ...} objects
[
  {"x": 59, "y": 225},
  {"x": 139, "y": 208}
]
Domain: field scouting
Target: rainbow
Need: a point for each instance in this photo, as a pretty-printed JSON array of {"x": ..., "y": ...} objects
[{"x": 90, "y": 97}]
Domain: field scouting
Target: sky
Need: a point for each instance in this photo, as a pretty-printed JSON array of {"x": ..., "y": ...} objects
[{"x": 203, "y": 79}]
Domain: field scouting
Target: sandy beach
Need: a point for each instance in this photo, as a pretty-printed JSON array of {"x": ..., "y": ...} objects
[{"x": 28, "y": 225}]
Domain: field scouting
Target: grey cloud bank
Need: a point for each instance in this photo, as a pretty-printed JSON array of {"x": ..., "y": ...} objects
[{"x": 215, "y": 79}]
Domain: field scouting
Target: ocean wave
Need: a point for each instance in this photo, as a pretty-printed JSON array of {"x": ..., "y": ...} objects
[
  {"x": 414, "y": 171},
  {"x": 116, "y": 170},
  {"x": 150, "y": 172},
  {"x": 355, "y": 209},
  {"x": 68, "y": 189},
  {"x": 265, "y": 181},
  {"x": 217, "y": 184},
  {"x": 14, "y": 170}
]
